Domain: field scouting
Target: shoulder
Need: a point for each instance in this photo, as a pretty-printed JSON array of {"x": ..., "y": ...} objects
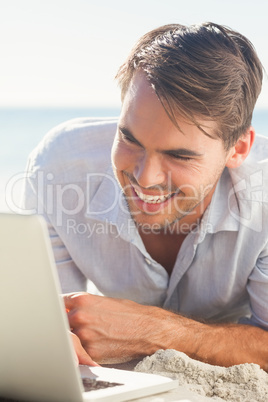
[
  {"x": 254, "y": 170},
  {"x": 76, "y": 146},
  {"x": 259, "y": 151},
  {"x": 250, "y": 187}
]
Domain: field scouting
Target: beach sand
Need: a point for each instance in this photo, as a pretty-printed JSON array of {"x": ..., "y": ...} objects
[{"x": 240, "y": 383}]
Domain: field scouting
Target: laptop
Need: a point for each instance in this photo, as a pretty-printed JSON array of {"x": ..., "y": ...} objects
[{"x": 37, "y": 360}]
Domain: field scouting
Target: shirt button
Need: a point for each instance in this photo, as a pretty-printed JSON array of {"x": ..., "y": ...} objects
[{"x": 148, "y": 261}]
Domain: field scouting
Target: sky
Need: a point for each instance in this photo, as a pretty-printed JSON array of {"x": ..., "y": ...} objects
[{"x": 65, "y": 53}]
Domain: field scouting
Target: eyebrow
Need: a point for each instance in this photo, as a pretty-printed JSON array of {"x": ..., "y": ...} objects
[{"x": 176, "y": 151}]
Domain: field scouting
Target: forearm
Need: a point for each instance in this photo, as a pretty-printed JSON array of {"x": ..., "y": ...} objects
[
  {"x": 113, "y": 330},
  {"x": 218, "y": 344}
]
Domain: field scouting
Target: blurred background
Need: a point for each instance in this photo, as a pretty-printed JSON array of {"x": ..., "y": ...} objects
[{"x": 59, "y": 59}]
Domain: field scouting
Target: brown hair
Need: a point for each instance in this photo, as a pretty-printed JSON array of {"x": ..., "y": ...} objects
[{"x": 201, "y": 71}]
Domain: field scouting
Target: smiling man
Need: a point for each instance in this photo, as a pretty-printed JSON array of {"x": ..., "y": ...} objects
[
  {"x": 163, "y": 213},
  {"x": 168, "y": 175}
]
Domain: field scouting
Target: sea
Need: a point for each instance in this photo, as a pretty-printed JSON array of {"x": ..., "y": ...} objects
[{"x": 21, "y": 129}]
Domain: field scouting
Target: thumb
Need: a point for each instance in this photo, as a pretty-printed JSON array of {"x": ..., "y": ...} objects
[{"x": 81, "y": 354}]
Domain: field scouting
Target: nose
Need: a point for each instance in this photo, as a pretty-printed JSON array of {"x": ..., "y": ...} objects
[{"x": 149, "y": 172}]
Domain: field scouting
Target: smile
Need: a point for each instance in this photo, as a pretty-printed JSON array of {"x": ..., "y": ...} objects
[{"x": 152, "y": 199}]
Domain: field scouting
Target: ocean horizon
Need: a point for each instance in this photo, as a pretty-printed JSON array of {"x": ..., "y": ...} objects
[{"x": 21, "y": 129}]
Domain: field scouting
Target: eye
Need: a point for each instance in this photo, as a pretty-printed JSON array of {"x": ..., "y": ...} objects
[
  {"x": 129, "y": 138},
  {"x": 180, "y": 157}
]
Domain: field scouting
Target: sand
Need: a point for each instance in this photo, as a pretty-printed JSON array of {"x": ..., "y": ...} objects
[{"x": 241, "y": 383}]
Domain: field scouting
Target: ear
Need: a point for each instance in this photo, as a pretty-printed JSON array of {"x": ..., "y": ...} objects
[{"x": 238, "y": 153}]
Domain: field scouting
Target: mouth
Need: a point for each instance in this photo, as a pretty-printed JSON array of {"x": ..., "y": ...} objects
[{"x": 153, "y": 199}]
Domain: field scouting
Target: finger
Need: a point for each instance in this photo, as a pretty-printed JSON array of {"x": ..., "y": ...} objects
[
  {"x": 81, "y": 354},
  {"x": 70, "y": 299},
  {"x": 84, "y": 358}
]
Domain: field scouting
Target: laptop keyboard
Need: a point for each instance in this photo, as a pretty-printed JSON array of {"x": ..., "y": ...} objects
[{"x": 93, "y": 385}]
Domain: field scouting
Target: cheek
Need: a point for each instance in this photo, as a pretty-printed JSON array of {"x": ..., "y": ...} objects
[
  {"x": 122, "y": 156},
  {"x": 183, "y": 175}
]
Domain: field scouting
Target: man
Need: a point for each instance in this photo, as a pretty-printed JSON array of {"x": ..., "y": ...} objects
[{"x": 172, "y": 228}]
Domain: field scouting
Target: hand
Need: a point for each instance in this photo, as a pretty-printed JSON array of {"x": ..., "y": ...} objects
[
  {"x": 112, "y": 330},
  {"x": 81, "y": 355}
]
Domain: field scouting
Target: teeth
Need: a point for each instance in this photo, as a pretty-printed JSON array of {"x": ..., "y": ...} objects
[{"x": 151, "y": 199}]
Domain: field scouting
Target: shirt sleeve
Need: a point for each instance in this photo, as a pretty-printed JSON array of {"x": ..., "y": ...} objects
[
  {"x": 258, "y": 292},
  {"x": 71, "y": 278}
]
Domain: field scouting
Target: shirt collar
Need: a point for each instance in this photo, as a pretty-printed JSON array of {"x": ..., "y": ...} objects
[{"x": 223, "y": 212}]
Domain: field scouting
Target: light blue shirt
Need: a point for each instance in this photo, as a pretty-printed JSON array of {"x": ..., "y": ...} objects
[{"x": 221, "y": 271}]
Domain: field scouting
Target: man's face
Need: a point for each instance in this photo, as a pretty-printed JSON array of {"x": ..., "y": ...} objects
[{"x": 167, "y": 175}]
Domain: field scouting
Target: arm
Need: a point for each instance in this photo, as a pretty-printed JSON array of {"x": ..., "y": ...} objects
[{"x": 113, "y": 330}]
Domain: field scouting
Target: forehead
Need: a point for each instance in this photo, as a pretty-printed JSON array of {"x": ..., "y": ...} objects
[{"x": 145, "y": 117}]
